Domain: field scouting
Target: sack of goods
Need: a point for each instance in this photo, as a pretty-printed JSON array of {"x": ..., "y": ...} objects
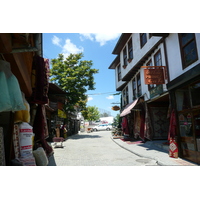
[
  {"x": 40, "y": 157},
  {"x": 25, "y": 139}
]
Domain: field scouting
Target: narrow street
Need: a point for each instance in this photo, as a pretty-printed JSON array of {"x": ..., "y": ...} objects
[{"x": 94, "y": 149}]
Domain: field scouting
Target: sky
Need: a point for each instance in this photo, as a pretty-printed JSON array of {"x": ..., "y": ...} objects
[{"x": 97, "y": 47}]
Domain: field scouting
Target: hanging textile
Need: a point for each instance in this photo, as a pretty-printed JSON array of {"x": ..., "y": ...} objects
[
  {"x": 142, "y": 124},
  {"x": 173, "y": 146},
  {"x": 147, "y": 132},
  {"x": 16, "y": 141},
  {"x": 125, "y": 128},
  {"x": 10, "y": 93},
  {"x": 23, "y": 115},
  {"x": 137, "y": 124},
  {"x": 40, "y": 82},
  {"x": 2, "y": 150},
  {"x": 39, "y": 129}
]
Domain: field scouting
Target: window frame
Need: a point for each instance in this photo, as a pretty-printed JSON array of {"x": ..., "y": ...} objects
[
  {"x": 125, "y": 57},
  {"x": 139, "y": 85},
  {"x": 158, "y": 53},
  {"x": 130, "y": 50},
  {"x": 150, "y": 63},
  {"x": 143, "y": 39},
  {"x": 119, "y": 72},
  {"x": 134, "y": 88},
  {"x": 182, "y": 46}
]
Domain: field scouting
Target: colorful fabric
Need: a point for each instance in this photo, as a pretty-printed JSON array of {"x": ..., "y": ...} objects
[
  {"x": 137, "y": 122},
  {"x": 2, "y": 150},
  {"x": 40, "y": 131},
  {"x": 147, "y": 126},
  {"x": 16, "y": 141},
  {"x": 125, "y": 126},
  {"x": 172, "y": 125},
  {"x": 10, "y": 93},
  {"x": 173, "y": 148},
  {"x": 159, "y": 122},
  {"x": 40, "y": 84}
]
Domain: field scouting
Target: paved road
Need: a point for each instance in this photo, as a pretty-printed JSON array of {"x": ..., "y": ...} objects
[{"x": 95, "y": 149}]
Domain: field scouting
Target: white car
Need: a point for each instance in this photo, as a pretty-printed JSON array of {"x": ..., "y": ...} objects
[{"x": 102, "y": 127}]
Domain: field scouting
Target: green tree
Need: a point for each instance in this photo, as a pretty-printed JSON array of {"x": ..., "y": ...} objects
[
  {"x": 75, "y": 76},
  {"x": 117, "y": 121},
  {"x": 91, "y": 113},
  {"x": 104, "y": 114}
]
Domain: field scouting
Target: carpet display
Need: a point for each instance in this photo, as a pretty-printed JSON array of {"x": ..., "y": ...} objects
[{"x": 2, "y": 151}]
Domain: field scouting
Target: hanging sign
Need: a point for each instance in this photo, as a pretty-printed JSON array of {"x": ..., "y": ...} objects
[
  {"x": 115, "y": 108},
  {"x": 154, "y": 76}
]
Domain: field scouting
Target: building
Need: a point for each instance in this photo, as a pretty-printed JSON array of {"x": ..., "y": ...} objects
[{"x": 155, "y": 72}]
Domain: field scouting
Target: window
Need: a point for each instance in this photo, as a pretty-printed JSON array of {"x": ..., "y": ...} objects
[
  {"x": 127, "y": 101},
  {"x": 125, "y": 96},
  {"x": 143, "y": 39},
  {"x": 125, "y": 57},
  {"x": 130, "y": 50},
  {"x": 188, "y": 48},
  {"x": 157, "y": 59},
  {"x": 119, "y": 72},
  {"x": 149, "y": 63},
  {"x": 139, "y": 89},
  {"x": 134, "y": 89}
]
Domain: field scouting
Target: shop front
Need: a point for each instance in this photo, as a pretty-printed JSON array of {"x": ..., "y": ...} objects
[{"x": 184, "y": 92}]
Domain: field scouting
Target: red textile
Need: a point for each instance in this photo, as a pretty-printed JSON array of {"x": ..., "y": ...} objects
[
  {"x": 173, "y": 147},
  {"x": 125, "y": 126},
  {"x": 172, "y": 126},
  {"x": 39, "y": 128},
  {"x": 40, "y": 82},
  {"x": 142, "y": 125}
]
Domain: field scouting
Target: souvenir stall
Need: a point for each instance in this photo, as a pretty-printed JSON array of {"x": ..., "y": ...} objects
[
  {"x": 184, "y": 129},
  {"x": 23, "y": 125}
]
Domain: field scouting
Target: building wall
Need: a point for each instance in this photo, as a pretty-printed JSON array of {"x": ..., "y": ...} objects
[
  {"x": 142, "y": 52},
  {"x": 174, "y": 55}
]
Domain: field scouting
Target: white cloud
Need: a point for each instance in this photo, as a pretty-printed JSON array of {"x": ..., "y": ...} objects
[
  {"x": 110, "y": 97},
  {"x": 102, "y": 38},
  {"x": 69, "y": 47},
  {"x": 90, "y": 98},
  {"x": 56, "y": 41}
]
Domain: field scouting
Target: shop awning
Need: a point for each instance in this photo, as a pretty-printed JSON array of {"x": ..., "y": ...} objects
[{"x": 127, "y": 109}]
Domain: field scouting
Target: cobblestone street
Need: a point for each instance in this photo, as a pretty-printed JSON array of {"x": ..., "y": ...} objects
[{"x": 94, "y": 149}]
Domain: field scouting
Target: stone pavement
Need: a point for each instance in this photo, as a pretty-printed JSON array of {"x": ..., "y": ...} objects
[
  {"x": 154, "y": 150},
  {"x": 94, "y": 149}
]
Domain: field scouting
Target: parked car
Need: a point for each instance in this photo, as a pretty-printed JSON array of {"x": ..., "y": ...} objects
[{"x": 102, "y": 127}]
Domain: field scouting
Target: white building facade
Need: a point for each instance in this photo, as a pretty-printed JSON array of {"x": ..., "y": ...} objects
[{"x": 148, "y": 99}]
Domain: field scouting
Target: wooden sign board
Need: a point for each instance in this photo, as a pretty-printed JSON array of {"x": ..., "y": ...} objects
[{"x": 154, "y": 76}]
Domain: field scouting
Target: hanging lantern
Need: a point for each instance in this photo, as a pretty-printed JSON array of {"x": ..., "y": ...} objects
[{"x": 115, "y": 108}]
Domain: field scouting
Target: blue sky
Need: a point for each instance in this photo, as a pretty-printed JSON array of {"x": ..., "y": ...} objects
[{"x": 97, "y": 47}]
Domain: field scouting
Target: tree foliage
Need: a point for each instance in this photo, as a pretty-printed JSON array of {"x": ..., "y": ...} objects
[
  {"x": 117, "y": 121},
  {"x": 91, "y": 113},
  {"x": 75, "y": 76}
]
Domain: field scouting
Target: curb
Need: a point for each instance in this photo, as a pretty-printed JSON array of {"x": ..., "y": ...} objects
[{"x": 140, "y": 155}]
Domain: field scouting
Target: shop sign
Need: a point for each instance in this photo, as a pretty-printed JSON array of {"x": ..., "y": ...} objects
[
  {"x": 154, "y": 76},
  {"x": 156, "y": 91},
  {"x": 115, "y": 108}
]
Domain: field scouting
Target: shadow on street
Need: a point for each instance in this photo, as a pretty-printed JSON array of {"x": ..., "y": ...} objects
[
  {"x": 153, "y": 147},
  {"x": 77, "y": 136}
]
